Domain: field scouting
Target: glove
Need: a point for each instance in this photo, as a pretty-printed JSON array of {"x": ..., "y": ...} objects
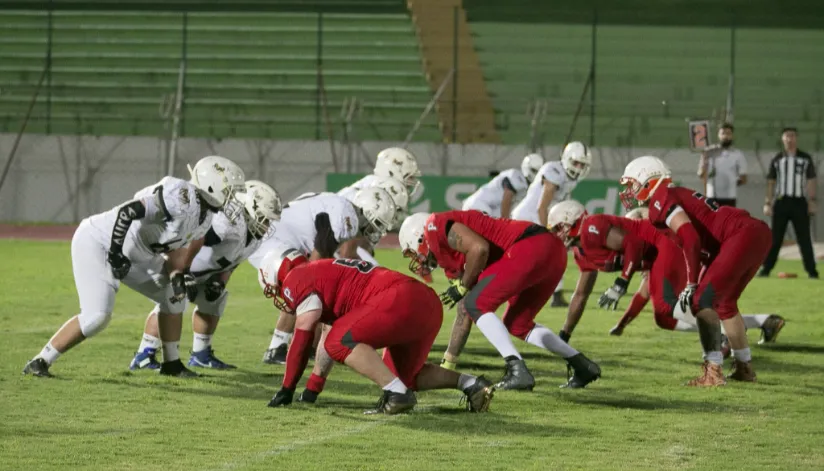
[
  {"x": 282, "y": 398},
  {"x": 617, "y": 330},
  {"x": 307, "y": 396},
  {"x": 214, "y": 288},
  {"x": 190, "y": 284},
  {"x": 610, "y": 298},
  {"x": 564, "y": 335},
  {"x": 453, "y": 294},
  {"x": 685, "y": 299},
  {"x": 178, "y": 282},
  {"x": 120, "y": 265}
]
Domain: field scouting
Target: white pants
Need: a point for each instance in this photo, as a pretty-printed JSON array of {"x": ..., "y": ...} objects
[{"x": 97, "y": 287}]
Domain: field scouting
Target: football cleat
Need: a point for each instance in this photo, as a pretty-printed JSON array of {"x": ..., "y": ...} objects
[
  {"x": 276, "y": 356},
  {"x": 713, "y": 375},
  {"x": 584, "y": 371},
  {"x": 145, "y": 360},
  {"x": 771, "y": 328},
  {"x": 207, "y": 359},
  {"x": 392, "y": 403},
  {"x": 517, "y": 376},
  {"x": 479, "y": 395},
  {"x": 176, "y": 368},
  {"x": 558, "y": 300},
  {"x": 37, "y": 367},
  {"x": 742, "y": 371}
]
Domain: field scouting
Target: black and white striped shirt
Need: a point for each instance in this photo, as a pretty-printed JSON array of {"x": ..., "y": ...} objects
[{"x": 791, "y": 173}]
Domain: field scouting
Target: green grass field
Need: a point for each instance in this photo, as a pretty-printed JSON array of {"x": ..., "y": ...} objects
[{"x": 98, "y": 415}]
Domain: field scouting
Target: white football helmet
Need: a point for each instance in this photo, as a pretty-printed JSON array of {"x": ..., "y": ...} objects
[
  {"x": 262, "y": 206},
  {"x": 274, "y": 267},
  {"x": 414, "y": 246},
  {"x": 565, "y": 220},
  {"x": 217, "y": 180},
  {"x": 399, "y": 164},
  {"x": 377, "y": 210},
  {"x": 638, "y": 213},
  {"x": 642, "y": 177},
  {"x": 576, "y": 160},
  {"x": 399, "y": 194},
  {"x": 530, "y": 166}
]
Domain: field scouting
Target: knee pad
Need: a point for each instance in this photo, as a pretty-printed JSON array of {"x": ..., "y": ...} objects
[{"x": 93, "y": 322}]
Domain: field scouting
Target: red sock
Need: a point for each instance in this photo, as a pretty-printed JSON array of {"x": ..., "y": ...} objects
[
  {"x": 635, "y": 306},
  {"x": 315, "y": 383}
]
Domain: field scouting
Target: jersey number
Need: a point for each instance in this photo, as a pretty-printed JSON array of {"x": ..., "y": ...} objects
[
  {"x": 361, "y": 265},
  {"x": 710, "y": 203}
]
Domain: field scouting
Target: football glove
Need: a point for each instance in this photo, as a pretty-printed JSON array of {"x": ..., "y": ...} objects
[
  {"x": 190, "y": 283},
  {"x": 282, "y": 398},
  {"x": 308, "y": 396},
  {"x": 610, "y": 298},
  {"x": 214, "y": 288},
  {"x": 178, "y": 281},
  {"x": 453, "y": 294},
  {"x": 120, "y": 265},
  {"x": 685, "y": 299}
]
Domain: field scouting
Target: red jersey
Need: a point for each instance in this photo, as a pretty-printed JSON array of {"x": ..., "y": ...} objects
[
  {"x": 341, "y": 285},
  {"x": 500, "y": 233}
]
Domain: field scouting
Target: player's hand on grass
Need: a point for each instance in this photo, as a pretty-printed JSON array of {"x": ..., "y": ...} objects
[
  {"x": 120, "y": 265},
  {"x": 453, "y": 294},
  {"x": 308, "y": 396},
  {"x": 617, "y": 330},
  {"x": 282, "y": 398},
  {"x": 685, "y": 299},
  {"x": 609, "y": 300}
]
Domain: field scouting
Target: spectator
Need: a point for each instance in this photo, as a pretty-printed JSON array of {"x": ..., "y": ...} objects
[
  {"x": 724, "y": 168},
  {"x": 791, "y": 179}
]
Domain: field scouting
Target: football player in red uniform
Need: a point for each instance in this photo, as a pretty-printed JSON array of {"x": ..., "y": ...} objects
[
  {"x": 737, "y": 244},
  {"x": 489, "y": 262},
  {"x": 368, "y": 308}
]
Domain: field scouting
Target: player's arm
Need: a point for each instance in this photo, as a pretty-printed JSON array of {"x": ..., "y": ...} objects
[
  {"x": 547, "y": 196},
  {"x": 475, "y": 247},
  {"x": 586, "y": 282},
  {"x": 323, "y": 366},
  {"x": 508, "y": 198},
  {"x": 298, "y": 355},
  {"x": 349, "y": 249},
  {"x": 639, "y": 300},
  {"x": 126, "y": 214},
  {"x": 681, "y": 225}
]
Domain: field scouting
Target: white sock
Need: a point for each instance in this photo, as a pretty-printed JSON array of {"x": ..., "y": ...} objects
[
  {"x": 279, "y": 338},
  {"x": 149, "y": 341},
  {"x": 201, "y": 342},
  {"x": 49, "y": 353},
  {"x": 396, "y": 386},
  {"x": 755, "y": 321},
  {"x": 560, "y": 286},
  {"x": 682, "y": 326},
  {"x": 367, "y": 257},
  {"x": 545, "y": 338},
  {"x": 466, "y": 381},
  {"x": 171, "y": 351},
  {"x": 714, "y": 357},
  {"x": 495, "y": 331},
  {"x": 743, "y": 355}
]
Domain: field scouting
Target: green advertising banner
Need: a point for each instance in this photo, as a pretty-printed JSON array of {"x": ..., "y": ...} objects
[{"x": 445, "y": 193}]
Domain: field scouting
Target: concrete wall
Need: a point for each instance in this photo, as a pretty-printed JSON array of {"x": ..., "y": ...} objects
[{"x": 66, "y": 178}]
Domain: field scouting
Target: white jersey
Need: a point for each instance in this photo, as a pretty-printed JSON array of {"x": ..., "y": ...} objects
[
  {"x": 488, "y": 197},
  {"x": 227, "y": 244},
  {"x": 553, "y": 172},
  {"x": 172, "y": 220},
  {"x": 296, "y": 228},
  {"x": 350, "y": 191}
]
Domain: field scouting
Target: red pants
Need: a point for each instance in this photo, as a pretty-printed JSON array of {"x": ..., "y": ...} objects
[
  {"x": 738, "y": 260},
  {"x": 525, "y": 277},
  {"x": 404, "y": 319},
  {"x": 667, "y": 278}
]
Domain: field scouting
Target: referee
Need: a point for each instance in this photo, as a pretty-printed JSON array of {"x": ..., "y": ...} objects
[{"x": 792, "y": 180}]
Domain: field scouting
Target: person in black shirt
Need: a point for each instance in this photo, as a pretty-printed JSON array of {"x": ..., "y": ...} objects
[{"x": 791, "y": 179}]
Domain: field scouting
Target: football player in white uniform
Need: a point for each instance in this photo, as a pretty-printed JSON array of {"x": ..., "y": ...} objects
[
  {"x": 226, "y": 245},
  {"x": 400, "y": 197},
  {"x": 145, "y": 244},
  {"x": 496, "y": 197},
  {"x": 319, "y": 225},
  {"x": 392, "y": 162},
  {"x": 554, "y": 183}
]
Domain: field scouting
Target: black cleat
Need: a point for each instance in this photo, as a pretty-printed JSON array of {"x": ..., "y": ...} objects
[
  {"x": 585, "y": 371},
  {"x": 176, "y": 368},
  {"x": 276, "y": 356},
  {"x": 479, "y": 395},
  {"x": 37, "y": 367},
  {"x": 392, "y": 403},
  {"x": 772, "y": 326},
  {"x": 558, "y": 300},
  {"x": 517, "y": 376},
  {"x": 763, "y": 274}
]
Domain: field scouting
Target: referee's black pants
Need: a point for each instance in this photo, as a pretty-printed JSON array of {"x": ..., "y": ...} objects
[{"x": 792, "y": 210}]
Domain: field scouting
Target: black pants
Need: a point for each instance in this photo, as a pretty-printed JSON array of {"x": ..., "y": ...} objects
[{"x": 792, "y": 210}]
